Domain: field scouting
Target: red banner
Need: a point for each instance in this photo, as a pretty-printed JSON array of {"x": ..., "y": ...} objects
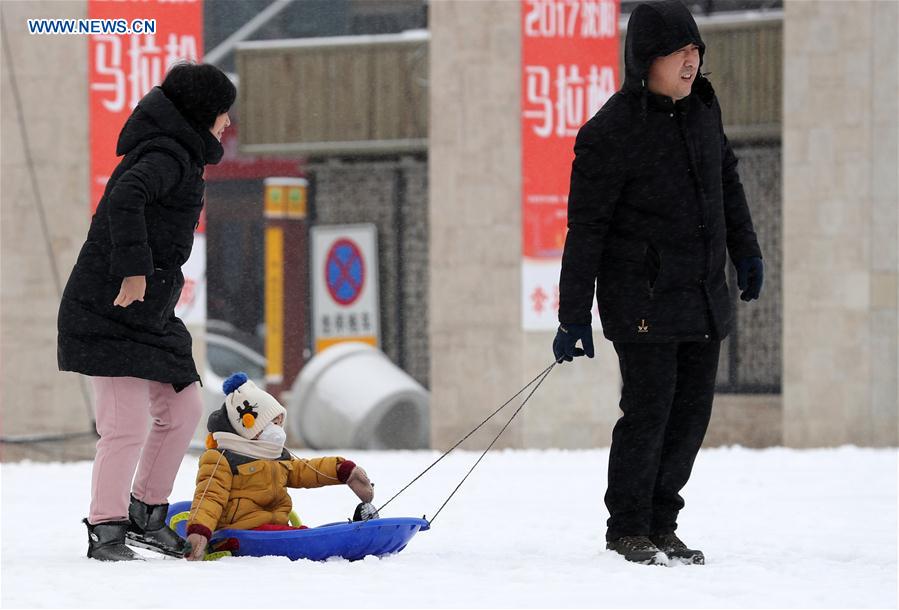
[
  {"x": 124, "y": 67},
  {"x": 569, "y": 68}
]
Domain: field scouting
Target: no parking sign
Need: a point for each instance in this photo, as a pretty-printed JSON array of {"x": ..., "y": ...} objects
[{"x": 344, "y": 274}]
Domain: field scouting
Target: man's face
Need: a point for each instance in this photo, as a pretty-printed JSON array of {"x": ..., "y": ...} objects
[{"x": 673, "y": 75}]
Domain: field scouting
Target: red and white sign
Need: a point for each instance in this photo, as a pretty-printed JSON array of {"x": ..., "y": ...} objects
[
  {"x": 122, "y": 69},
  {"x": 569, "y": 63},
  {"x": 345, "y": 299}
]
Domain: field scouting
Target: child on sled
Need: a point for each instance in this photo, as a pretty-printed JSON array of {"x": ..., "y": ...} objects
[{"x": 244, "y": 475}]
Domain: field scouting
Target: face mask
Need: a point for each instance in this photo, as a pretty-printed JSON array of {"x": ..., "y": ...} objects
[{"x": 273, "y": 433}]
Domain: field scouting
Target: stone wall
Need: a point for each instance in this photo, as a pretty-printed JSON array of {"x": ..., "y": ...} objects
[
  {"x": 44, "y": 215},
  {"x": 841, "y": 121}
]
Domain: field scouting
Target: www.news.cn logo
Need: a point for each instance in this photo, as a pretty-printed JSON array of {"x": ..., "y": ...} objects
[{"x": 91, "y": 26}]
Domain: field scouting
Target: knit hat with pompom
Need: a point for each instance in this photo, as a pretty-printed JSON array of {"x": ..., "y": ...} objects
[{"x": 248, "y": 408}]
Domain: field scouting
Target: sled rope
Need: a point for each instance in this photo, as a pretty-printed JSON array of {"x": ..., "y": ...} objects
[
  {"x": 208, "y": 481},
  {"x": 495, "y": 438},
  {"x": 541, "y": 376},
  {"x": 311, "y": 467}
]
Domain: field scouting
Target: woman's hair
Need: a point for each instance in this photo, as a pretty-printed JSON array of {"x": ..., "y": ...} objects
[{"x": 200, "y": 92}]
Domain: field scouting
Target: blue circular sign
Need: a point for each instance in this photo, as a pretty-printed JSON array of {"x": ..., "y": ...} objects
[{"x": 345, "y": 271}]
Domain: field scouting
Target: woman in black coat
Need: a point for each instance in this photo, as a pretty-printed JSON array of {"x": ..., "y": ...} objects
[{"x": 117, "y": 320}]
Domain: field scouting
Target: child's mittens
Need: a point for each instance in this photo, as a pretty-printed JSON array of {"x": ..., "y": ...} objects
[
  {"x": 365, "y": 511},
  {"x": 198, "y": 544},
  {"x": 361, "y": 486}
]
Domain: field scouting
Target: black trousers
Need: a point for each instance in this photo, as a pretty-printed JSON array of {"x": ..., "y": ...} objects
[{"x": 666, "y": 399}]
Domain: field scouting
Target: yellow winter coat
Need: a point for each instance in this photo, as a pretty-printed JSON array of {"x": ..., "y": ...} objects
[{"x": 241, "y": 492}]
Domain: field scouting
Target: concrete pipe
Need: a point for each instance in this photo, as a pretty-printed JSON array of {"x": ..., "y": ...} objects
[{"x": 352, "y": 396}]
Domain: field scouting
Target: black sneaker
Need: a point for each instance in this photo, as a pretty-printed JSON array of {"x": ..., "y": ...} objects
[
  {"x": 674, "y": 547},
  {"x": 106, "y": 542},
  {"x": 638, "y": 549},
  {"x": 147, "y": 530}
]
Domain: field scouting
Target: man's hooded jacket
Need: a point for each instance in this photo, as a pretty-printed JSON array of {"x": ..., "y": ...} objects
[
  {"x": 144, "y": 225},
  {"x": 655, "y": 201}
]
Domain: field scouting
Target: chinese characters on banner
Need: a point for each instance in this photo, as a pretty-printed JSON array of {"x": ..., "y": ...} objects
[
  {"x": 569, "y": 63},
  {"x": 122, "y": 69}
]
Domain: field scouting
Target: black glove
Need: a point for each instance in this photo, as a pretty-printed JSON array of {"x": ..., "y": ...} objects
[
  {"x": 365, "y": 511},
  {"x": 750, "y": 273},
  {"x": 567, "y": 336}
]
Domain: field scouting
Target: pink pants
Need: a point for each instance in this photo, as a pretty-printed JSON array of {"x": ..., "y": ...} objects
[{"x": 122, "y": 416}]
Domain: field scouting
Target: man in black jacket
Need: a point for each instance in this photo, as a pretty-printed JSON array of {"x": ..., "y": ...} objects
[{"x": 655, "y": 205}]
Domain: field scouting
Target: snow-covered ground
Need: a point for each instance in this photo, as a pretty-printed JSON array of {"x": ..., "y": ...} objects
[{"x": 780, "y": 528}]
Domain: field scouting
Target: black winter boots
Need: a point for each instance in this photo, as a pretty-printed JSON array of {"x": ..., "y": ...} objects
[
  {"x": 106, "y": 542},
  {"x": 638, "y": 549},
  {"x": 674, "y": 547},
  {"x": 655, "y": 550},
  {"x": 147, "y": 530}
]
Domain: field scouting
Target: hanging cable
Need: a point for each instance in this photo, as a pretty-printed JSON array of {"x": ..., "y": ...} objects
[{"x": 542, "y": 374}]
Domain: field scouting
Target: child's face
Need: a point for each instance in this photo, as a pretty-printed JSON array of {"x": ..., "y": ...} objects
[{"x": 278, "y": 421}]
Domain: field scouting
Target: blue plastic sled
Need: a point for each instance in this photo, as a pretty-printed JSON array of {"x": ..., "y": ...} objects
[{"x": 350, "y": 540}]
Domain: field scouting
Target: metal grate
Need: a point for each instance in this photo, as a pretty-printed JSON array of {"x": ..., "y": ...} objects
[
  {"x": 393, "y": 195},
  {"x": 751, "y": 357}
]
